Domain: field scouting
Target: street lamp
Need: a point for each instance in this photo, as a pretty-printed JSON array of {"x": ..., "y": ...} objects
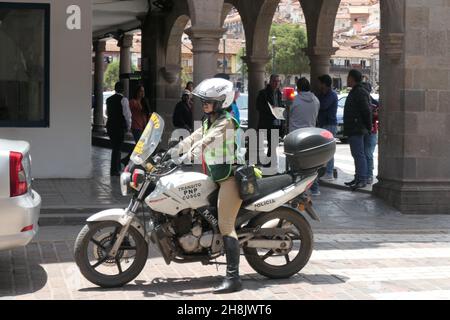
[
  {"x": 224, "y": 38},
  {"x": 273, "y": 53}
]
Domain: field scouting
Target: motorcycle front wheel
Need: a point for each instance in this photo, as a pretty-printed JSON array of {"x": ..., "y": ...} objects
[
  {"x": 279, "y": 263},
  {"x": 92, "y": 246}
]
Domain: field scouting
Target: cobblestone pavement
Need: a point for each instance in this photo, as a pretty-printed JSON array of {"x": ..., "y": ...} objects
[
  {"x": 368, "y": 266},
  {"x": 364, "y": 249}
]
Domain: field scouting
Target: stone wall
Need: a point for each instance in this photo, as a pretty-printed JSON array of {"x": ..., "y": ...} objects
[{"x": 415, "y": 95}]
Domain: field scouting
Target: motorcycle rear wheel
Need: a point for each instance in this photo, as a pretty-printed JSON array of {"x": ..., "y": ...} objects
[
  {"x": 283, "y": 217},
  {"x": 83, "y": 259}
]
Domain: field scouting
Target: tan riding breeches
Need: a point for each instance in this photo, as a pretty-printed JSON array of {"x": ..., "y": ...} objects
[{"x": 228, "y": 206}]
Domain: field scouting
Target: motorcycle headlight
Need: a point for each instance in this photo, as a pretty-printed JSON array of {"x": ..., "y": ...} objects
[{"x": 125, "y": 179}]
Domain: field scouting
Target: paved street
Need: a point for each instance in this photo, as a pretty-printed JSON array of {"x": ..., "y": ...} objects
[{"x": 363, "y": 250}]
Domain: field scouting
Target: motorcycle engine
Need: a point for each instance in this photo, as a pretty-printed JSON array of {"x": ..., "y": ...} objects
[{"x": 191, "y": 236}]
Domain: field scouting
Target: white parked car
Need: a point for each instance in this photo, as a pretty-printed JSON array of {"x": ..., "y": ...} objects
[
  {"x": 19, "y": 204},
  {"x": 106, "y": 95}
]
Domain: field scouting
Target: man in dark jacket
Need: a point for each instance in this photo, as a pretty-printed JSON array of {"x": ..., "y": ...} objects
[
  {"x": 182, "y": 116},
  {"x": 357, "y": 123},
  {"x": 327, "y": 118},
  {"x": 271, "y": 94},
  {"x": 118, "y": 124}
]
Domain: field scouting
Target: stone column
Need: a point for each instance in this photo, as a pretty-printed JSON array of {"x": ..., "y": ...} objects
[
  {"x": 320, "y": 63},
  {"x": 414, "y": 139},
  {"x": 99, "y": 48},
  {"x": 205, "y": 44},
  {"x": 125, "y": 43},
  {"x": 153, "y": 57},
  {"x": 256, "y": 76}
]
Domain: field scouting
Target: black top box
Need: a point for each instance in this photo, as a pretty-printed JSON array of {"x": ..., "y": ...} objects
[{"x": 309, "y": 149}]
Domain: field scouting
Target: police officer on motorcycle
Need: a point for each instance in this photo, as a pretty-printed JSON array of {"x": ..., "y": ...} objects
[{"x": 215, "y": 144}]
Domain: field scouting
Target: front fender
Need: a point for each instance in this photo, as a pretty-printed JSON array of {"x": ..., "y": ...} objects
[{"x": 116, "y": 215}]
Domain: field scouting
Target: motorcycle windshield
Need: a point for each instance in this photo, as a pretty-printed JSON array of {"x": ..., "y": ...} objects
[{"x": 150, "y": 139}]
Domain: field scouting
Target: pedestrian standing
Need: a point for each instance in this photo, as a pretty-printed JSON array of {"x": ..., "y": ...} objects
[
  {"x": 118, "y": 124},
  {"x": 140, "y": 113},
  {"x": 328, "y": 115},
  {"x": 234, "y": 108},
  {"x": 305, "y": 108},
  {"x": 357, "y": 124},
  {"x": 303, "y": 114},
  {"x": 371, "y": 139},
  {"x": 190, "y": 87},
  {"x": 267, "y": 121},
  {"x": 182, "y": 116}
]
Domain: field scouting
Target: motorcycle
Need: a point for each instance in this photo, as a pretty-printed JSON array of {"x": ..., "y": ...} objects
[{"x": 179, "y": 215}]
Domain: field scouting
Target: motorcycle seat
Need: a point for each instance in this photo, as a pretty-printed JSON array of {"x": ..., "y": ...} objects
[{"x": 270, "y": 185}]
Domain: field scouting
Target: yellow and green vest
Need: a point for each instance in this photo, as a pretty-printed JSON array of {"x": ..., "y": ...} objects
[{"x": 214, "y": 158}]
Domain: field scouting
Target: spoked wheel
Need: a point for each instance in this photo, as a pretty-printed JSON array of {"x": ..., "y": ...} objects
[
  {"x": 285, "y": 262},
  {"x": 92, "y": 246}
]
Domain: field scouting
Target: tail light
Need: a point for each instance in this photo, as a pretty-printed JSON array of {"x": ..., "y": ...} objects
[
  {"x": 289, "y": 93},
  {"x": 28, "y": 228},
  {"x": 327, "y": 134},
  {"x": 17, "y": 175}
]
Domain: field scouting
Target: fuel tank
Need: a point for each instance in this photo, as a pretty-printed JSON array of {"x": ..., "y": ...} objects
[{"x": 180, "y": 191}]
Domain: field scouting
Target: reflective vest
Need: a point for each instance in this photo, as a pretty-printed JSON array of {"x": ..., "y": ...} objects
[{"x": 219, "y": 158}]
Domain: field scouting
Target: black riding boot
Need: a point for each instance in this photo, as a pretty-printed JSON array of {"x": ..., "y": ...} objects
[{"x": 232, "y": 281}]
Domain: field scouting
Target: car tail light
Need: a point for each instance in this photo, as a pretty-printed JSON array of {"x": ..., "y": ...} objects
[
  {"x": 27, "y": 228},
  {"x": 17, "y": 175}
]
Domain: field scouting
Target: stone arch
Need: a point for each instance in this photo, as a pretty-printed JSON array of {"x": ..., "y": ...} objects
[
  {"x": 260, "y": 35},
  {"x": 227, "y": 7},
  {"x": 175, "y": 24},
  {"x": 392, "y": 15},
  {"x": 320, "y": 18},
  {"x": 257, "y": 16},
  {"x": 173, "y": 42}
]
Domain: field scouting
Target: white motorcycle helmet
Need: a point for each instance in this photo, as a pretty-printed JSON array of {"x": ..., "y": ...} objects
[{"x": 219, "y": 90}]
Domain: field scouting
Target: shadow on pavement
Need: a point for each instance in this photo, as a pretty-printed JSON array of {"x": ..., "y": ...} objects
[
  {"x": 189, "y": 286},
  {"x": 16, "y": 281}
]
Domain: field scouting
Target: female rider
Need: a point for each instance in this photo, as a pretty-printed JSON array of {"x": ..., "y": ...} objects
[{"x": 214, "y": 144}]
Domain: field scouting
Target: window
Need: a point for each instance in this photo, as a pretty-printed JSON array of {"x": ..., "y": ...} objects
[{"x": 24, "y": 64}]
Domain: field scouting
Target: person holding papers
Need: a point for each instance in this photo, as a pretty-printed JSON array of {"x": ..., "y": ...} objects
[{"x": 269, "y": 97}]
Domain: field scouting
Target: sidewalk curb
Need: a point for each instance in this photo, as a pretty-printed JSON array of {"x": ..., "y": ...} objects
[
  {"x": 341, "y": 187},
  {"x": 81, "y": 210},
  {"x": 72, "y": 215}
]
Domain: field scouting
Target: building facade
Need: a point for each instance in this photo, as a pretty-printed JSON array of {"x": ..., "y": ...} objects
[{"x": 45, "y": 83}]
